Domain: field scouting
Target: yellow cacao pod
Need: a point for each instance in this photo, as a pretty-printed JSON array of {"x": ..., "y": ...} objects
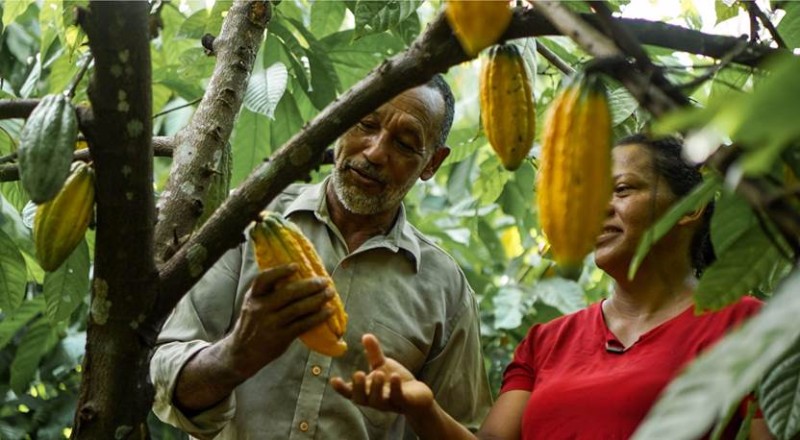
[
  {"x": 60, "y": 224},
  {"x": 277, "y": 241},
  {"x": 508, "y": 112},
  {"x": 574, "y": 181},
  {"x": 477, "y": 24}
]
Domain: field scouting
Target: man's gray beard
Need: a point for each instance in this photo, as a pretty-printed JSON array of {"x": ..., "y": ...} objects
[{"x": 357, "y": 202}]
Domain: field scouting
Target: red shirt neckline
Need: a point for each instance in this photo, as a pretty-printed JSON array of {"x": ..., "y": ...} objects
[{"x": 613, "y": 344}]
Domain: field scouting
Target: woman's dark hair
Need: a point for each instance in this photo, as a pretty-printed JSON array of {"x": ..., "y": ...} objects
[{"x": 681, "y": 177}]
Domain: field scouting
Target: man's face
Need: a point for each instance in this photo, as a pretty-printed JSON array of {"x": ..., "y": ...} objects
[{"x": 380, "y": 158}]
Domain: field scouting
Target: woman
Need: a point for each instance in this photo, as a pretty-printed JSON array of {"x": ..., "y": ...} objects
[{"x": 597, "y": 372}]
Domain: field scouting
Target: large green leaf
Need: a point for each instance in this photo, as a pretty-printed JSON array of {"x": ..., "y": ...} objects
[
  {"x": 725, "y": 11},
  {"x": 744, "y": 265},
  {"x": 15, "y": 320},
  {"x": 51, "y": 14},
  {"x": 488, "y": 236},
  {"x": 378, "y": 16},
  {"x": 508, "y": 305},
  {"x": 353, "y": 59},
  {"x": 727, "y": 372},
  {"x": 789, "y": 27},
  {"x": 13, "y": 9},
  {"x": 250, "y": 144},
  {"x": 38, "y": 340},
  {"x": 622, "y": 105},
  {"x": 288, "y": 121},
  {"x": 326, "y": 17},
  {"x": 732, "y": 218},
  {"x": 324, "y": 81},
  {"x": 11, "y": 223},
  {"x": 265, "y": 89},
  {"x": 293, "y": 51},
  {"x": 694, "y": 200},
  {"x": 408, "y": 29},
  {"x": 565, "y": 295},
  {"x": 12, "y": 274},
  {"x": 779, "y": 395},
  {"x": 65, "y": 288},
  {"x": 492, "y": 178}
]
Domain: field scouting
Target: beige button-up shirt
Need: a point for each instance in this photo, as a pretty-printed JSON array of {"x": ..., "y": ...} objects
[{"x": 400, "y": 286}]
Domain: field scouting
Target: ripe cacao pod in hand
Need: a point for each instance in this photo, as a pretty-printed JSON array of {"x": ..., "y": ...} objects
[
  {"x": 277, "y": 241},
  {"x": 60, "y": 224},
  {"x": 45, "y": 148},
  {"x": 508, "y": 112},
  {"x": 574, "y": 181},
  {"x": 477, "y": 23}
]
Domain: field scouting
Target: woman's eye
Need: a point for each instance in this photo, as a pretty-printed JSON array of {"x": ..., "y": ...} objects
[{"x": 621, "y": 189}]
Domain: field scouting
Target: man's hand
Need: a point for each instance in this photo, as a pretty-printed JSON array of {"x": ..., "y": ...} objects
[
  {"x": 275, "y": 311},
  {"x": 389, "y": 386}
]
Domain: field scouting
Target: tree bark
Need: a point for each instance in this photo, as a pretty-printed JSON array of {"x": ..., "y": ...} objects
[{"x": 115, "y": 397}]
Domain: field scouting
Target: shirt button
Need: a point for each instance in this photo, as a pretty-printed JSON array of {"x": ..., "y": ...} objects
[
  {"x": 304, "y": 426},
  {"x": 316, "y": 370}
]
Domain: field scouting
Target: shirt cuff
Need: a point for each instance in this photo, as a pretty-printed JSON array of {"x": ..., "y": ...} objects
[{"x": 166, "y": 365}]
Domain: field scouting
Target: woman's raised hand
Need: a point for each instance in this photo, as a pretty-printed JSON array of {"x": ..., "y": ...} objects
[{"x": 388, "y": 386}]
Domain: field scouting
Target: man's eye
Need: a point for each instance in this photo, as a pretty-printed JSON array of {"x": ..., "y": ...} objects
[
  {"x": 408, "y": 148},
  {"x": 621, "y": 189},
  {"x": 367, "y": 125}
]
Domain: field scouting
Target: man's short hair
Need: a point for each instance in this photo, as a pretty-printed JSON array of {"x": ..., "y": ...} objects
[{"x": 440, "y": 85}]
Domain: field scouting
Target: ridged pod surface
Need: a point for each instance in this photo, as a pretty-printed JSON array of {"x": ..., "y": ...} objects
[
  {"x": 277, "y": 241},
  {"x": 477, "y": 23},
  {"x": 60, "y": 224},
  {"x": 46, "y": 145},
  {"x": 574, "y": 181},
  {"x": 508, "y": 111}
]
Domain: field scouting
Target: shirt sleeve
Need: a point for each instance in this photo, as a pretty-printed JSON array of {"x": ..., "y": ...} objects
[
  {"x": 457, "y": 375},
  {"x": 202, "y": 316},
  {"x": 519, "y": 374}
]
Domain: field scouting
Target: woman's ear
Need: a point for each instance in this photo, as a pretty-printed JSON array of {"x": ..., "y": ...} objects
[{"x": 693, "y": 216}]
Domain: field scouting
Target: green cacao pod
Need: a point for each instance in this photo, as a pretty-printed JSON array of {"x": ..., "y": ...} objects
[
  {"x": 219, "y": 185},
  {"x": 60, "y": 224},
  {"x": 277, "y": 241},
  {"x": 46, "y": 145},
  {"x": 477, "y": 24},
  {"x": 508, "y": 112},
  {"x": 574, "y": 181}
]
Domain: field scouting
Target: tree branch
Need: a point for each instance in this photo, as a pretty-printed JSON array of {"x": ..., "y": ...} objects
[
  {"x": 756, "y": 12},
  {"x": 554, "y": 59},
  {"x": 199, "y": 145}
]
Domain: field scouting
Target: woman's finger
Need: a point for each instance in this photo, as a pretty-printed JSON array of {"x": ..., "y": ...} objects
[{"x": 373, "y": 351}]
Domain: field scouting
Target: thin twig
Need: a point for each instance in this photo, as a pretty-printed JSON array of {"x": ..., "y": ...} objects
[
  {"x": 754, "y": 10},
  {"x": 753, "y": 21},
  {"x": 554, "y": 59},
  {"x": 188, "y": 104},
  {"x": 78, "y": 76},
  {"x": 740, "y": 46}
]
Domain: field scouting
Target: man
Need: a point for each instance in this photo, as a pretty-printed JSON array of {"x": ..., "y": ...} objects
[{"x": 228, "y": 361}]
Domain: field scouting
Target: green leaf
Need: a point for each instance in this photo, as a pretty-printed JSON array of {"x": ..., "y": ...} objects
[
  {"x": 728, "y": 82},
  {"x": 408, "y": 29},
  {"x": 732, "y": 218},
  {"x": 194, "y": 26},
  {"x": 65, "y": 289},
  {"x": 326, "y": 17},
  {"x": 779, "y": 395},
  {"x": 789, "y": 27},
  {"x": 622, "y": 105},
  {"x": 488, "y": 236},
  {"x": 51, "y": 14},
  {"x": 508, "y": 307},
  {"x": 37, "y": 341},
  {"x": 250, "y": 144},
  {"x": 378, "y": 16},
  {"x": 727, "y": 372},
  {"x": 565, "y": 295},
  {"x": 490, "y": 183},
  {"x": 293, "y": 51},
  {"x": 15, "y": 320},
  {"x": 743, "y": 266},
  {"x": 11, "y": 223},
  {"x": 265, "y": 89},
  {"x": 12, "y": 274},
  {"x": 288, "y": 121},
  {"x": 694, "y": 200},
  {"x": 724, "y": 11},
  {"x": 353, "y": 59},
  {"x": 324, "y": 81},
  {"x": 13, "y": 9}
]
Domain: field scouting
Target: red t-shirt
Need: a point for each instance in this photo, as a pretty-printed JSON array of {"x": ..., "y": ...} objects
[{"x": 580, "y": 389}]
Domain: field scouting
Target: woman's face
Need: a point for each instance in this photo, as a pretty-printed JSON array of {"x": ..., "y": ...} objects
[{"x": 640, "y": 197}]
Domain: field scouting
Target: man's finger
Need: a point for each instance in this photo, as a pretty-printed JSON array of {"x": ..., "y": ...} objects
[
  {"x": 372, "y": 349},
  {"x": 396, "y": 396},
  {"x": 265, "y": 281}
]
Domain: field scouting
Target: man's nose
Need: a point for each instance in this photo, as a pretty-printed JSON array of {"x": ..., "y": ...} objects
[{"x": 378, "y": 149}]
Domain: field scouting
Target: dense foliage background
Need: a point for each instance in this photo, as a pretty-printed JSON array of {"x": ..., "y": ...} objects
[{"x": 482, "y": 215}]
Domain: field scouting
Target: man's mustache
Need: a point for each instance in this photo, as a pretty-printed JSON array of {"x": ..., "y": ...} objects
[{"x": 365, "y": 168}]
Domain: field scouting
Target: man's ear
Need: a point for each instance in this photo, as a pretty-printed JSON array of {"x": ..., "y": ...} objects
[
  {"x": 435, "y": 162},
  {"x": 691, "y": 217}
]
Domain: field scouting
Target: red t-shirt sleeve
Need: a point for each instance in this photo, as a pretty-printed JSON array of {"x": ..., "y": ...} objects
[{"x": 519, "y": 374}]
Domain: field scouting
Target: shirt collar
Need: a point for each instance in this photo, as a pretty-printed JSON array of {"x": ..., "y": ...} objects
[{"x": 402, "y": 236}]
